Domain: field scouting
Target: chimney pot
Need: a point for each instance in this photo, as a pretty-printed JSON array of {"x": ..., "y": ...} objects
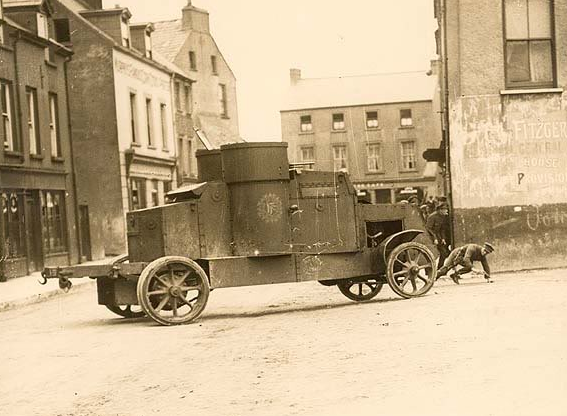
[{"x": 294, "y": 75}]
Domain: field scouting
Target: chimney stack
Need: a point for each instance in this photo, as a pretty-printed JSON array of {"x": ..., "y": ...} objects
[
  {"x": 435, "y": 65},
  {"x": 195, "y": 19},
  {"x": 294, "y": 76}
]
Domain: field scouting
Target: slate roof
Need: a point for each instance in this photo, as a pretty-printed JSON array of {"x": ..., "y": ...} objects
[
  {"x": 168, "y": 38},
  {"x": 347, "y": 91}
]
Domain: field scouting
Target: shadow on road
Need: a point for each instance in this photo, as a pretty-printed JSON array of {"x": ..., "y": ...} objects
[{"x": 286, "y": 309}]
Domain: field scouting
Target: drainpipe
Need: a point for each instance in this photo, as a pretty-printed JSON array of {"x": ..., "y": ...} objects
[
  {"x": 73, "y": 170},
  {"x": 447, "y": 135}
]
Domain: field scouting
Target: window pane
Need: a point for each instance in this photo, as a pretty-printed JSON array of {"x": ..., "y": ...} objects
[
  {"x": 516, "y": 19},
  {"x": 540, "y": 19},
  {"x": 540, "y": 61},
  {"x": 517, "y": 62}
]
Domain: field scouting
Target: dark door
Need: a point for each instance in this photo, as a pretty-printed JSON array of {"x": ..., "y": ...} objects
[
  {"x": 86, "y": 253},
  {"x": 34, "y": 231}
]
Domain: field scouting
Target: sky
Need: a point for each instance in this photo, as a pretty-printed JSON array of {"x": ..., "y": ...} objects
[{"x": 263, "y": 39}]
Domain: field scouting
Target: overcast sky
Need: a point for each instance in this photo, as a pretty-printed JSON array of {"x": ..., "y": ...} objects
[{"x": 263, "y": 39}]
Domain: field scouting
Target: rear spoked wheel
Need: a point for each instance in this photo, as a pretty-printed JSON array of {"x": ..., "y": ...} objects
[
  {"x": 360, "y": 291},
  {"x": 173, "y": 290},
  {"x": 411, "y": 270}
]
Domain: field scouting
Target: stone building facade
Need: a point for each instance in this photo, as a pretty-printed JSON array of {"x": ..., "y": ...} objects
[
  {"x": 504, "y": 78},
  {"x": 122, "y": 111},
  {"x": 374, "y": 127},
  {"x": 189, "y": 45},
  {"x": 38, "y": 221}
]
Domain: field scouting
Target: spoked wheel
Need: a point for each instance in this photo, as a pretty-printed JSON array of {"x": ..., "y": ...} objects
[
  {"x": 360, "y": 291},
  {"x": 126, "y": 311},
  {"x": 411, "y": 270},
  {"x": 173, "y": 290}
]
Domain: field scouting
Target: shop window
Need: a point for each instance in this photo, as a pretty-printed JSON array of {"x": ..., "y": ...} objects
[
  {"x": 372, "y": 119},
  {"x": 53, "y": 220},
  {"x": 305, "y": 124},
  {"x": 338, "y": 121},
  {"x": 13, "y": 234},
  {"x": 155, "y": 193},
  {"x": 529, "y": 43},
  {"x": 374, "y": 157},
  {"x": 340, "y": 163},
  {"x": 137, "y": 193}
]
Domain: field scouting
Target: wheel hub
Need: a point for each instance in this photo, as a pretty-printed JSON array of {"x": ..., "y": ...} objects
[
  {"x": 175, "y": 291},
  {"x": 414, "y": 270}
]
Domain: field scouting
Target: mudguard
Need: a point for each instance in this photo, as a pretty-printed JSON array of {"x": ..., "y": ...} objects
[{"x": 395, "y": 240}]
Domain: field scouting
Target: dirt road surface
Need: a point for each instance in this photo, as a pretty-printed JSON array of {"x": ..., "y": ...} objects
[{"x": 299, "y": 349}]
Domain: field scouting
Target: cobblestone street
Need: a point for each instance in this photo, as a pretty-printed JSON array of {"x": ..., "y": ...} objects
[{"x": 299, "y": 349}]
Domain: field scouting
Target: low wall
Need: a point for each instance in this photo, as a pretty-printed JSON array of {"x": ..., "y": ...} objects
[{"x": 525, "y": 237}]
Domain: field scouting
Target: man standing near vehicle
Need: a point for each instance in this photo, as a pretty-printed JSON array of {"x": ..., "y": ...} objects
[
  {"x": 464, "y": 256},
  {"x": 438, "y": 226}
]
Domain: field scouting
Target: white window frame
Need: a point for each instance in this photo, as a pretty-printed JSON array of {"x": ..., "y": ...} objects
[
  {"x": 150, "y": 121},
  {"x": 340, "y": 158},
  {"x": 42, "y": 28},
  {"x": 406, "y": 121},
  {"x": 374, "y": 157},
  {"x": 33, "y": 133},
  {"x": 148, "y": 43},
  {"x": 125, "y": 32},
  {"x": 7, "y": 116},
  {"x": 164, "y": 127},
  {"x": 306, "y": 127},
  {"x": 133, "y": 104},
  {"x": 307, "y": 154},
  {"x": 409, "y": 158},
  {"x": 54, "y": 125},
  {"x": 371, "y": 123},
  {"x": 339, "y": 124}
]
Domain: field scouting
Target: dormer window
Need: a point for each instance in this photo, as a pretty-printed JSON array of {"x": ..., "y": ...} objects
[
  {"x": 148, "y": 44},
  {"x": 125, "y": 32},
  {"x": 42, "y": 30}
]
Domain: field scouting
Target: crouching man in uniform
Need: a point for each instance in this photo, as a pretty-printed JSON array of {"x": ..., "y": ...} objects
[{"x": 464, "y": 256}]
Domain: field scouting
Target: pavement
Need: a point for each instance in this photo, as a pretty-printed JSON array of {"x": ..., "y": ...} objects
[{"x": 22, "y": 291}]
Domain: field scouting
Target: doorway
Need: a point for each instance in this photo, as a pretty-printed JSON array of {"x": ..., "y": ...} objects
[{"x": 85, "y": 230}]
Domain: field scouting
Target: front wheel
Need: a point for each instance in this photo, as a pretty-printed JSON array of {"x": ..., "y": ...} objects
[
  {"x": 411, "y": 270},
  {"x": 173, "y": 290}
]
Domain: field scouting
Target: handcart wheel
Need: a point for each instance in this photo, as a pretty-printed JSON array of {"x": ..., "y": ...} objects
[
  {"x": 125, "y": 311},
  {"x": 411, "y": 270},
  {"x": 360, "y": 291},
  {"x": 173, "y": 290}
]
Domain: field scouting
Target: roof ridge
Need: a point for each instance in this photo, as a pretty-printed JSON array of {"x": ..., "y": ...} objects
[
  {"x": 167, "y": 21},
  {"x": 422, "y": 71}
]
